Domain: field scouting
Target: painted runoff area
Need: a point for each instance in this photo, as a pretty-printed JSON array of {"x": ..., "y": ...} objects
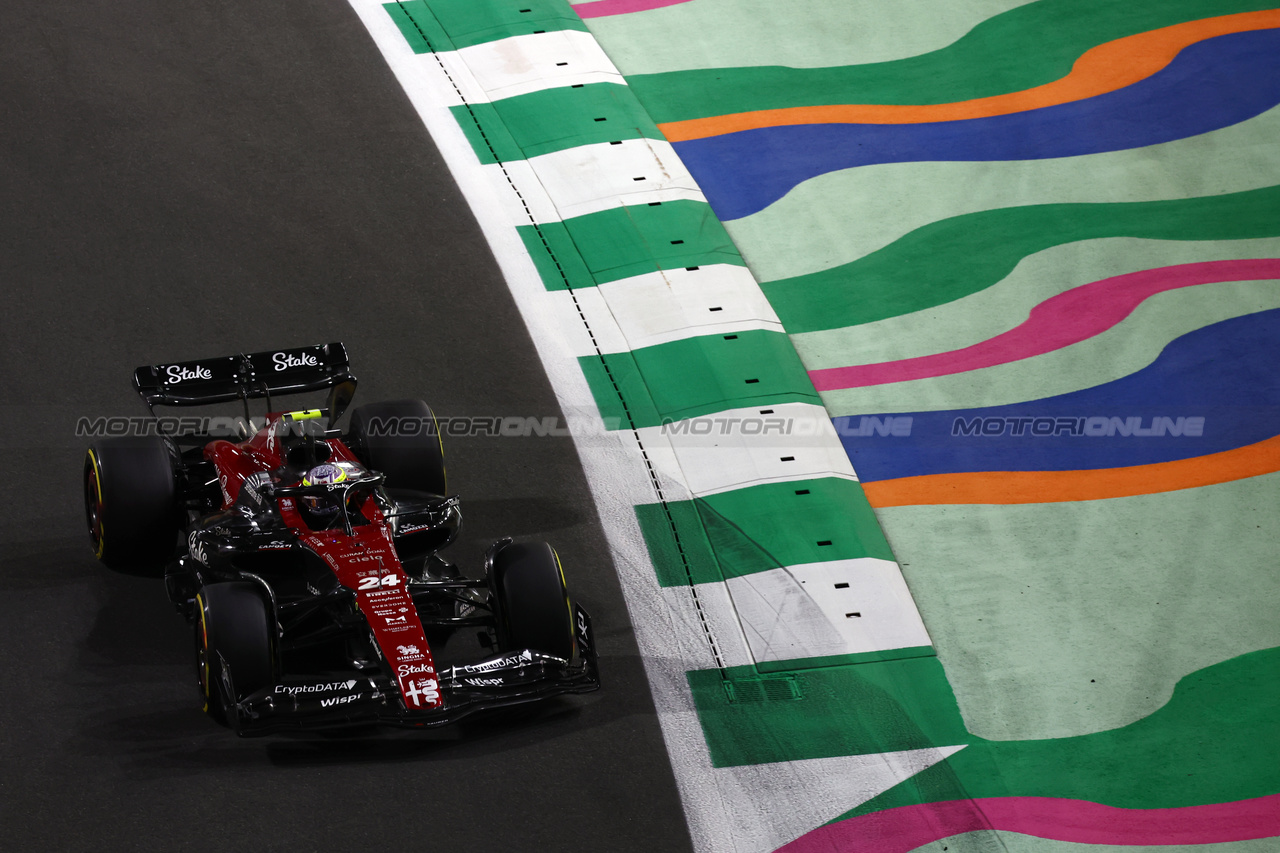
[{"x": 792, "y": 674}]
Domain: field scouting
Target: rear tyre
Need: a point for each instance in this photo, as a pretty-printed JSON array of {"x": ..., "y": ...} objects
[
  {"x": 533, "y": 610},
  {"x": 130, "y": 504},
  {"x": 233, "y": 624},
  {"x": 401, "y": 439}
]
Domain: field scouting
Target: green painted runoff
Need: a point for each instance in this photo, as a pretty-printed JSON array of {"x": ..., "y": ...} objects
[
  {"x": 1214, "y": 742},
  {"x": 952, "y": 258},
  {"x": 1025, "y": 47},
  {"x": 759, "y": 528},
  {"x": 865, "y": 709}
]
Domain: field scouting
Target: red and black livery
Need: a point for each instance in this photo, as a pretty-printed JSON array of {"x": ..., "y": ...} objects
[{"x": 307, "y": 558}]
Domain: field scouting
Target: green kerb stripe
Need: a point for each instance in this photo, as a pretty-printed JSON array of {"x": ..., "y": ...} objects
[
  {"x": 626, "y": 241},
  {"x": 489, "y": 136},
  {"x": 823, "y": 713},
  {"x": 419, "y": 27},
  {"x": 558, "y": 119},
  {"x": 698, "y": 376},
  {"x": 759, "y": 528},
  {"x": 464, "y": 23},
  {"x": 555, "y": 256}
]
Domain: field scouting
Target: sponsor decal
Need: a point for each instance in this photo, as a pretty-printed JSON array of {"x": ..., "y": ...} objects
[
  {"x": 484, "y": 682},
  {"x": 584, "y": 636},
  {"x": 414, "y": 528},
  {"x": 426, "y": 690},
  {"x": 177, "y": 373},
  {"x": 284, "y": 360},
  {"x": 275, "y": 545},
  {"x": 339, "y": 700},
  {"x": 195, "y": 546},
  {"x": 327, "y": 687},
  {"x": 415, "y": 669},
  {"x": 253, "y": 483},
  {"x": 409, "y": 651},
  {"x": 375, "y": 582},
  {"x": 504, "y": 662}
]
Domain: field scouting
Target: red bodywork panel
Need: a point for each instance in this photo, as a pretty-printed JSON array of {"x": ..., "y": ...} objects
[{"x": 364, "y": 562}]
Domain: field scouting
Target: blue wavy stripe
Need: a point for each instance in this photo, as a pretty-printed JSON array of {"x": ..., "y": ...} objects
[
  {"x": 1209, "y": 85},
  {"x": 1225, "y": 373}
]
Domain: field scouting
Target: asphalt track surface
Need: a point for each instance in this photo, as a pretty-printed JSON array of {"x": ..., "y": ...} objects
[{"x": 182, "y": 179}]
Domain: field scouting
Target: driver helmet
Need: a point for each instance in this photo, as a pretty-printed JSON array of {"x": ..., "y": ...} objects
[{"x": 321, "y": 511}]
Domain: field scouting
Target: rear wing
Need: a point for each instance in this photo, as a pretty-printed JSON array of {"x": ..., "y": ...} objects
[{"x": 249, "y": 376}]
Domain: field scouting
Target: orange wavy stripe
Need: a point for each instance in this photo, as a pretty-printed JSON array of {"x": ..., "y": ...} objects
[
  {"x": 1027, "y": 487},
  {"x": 1102, "y": 69}
]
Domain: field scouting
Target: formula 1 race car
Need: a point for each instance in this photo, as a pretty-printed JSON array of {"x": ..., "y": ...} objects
[{"x": 308, "y": 561}]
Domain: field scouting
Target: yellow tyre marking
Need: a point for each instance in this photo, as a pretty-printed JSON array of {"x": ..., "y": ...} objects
[
  {"x": 204, "y": 645},
  {"x": 568, "y": 605},
  {"x": 97, "y": 486},
  {"x": 440, "y": 441}
]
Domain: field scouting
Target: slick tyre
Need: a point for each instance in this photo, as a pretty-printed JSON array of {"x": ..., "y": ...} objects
[
  {"x": 533, "y": 604},
  {"x": 233, "y": 626},
  {"x": 130, "y": 504},
  {"x": 401, "y": 439}
]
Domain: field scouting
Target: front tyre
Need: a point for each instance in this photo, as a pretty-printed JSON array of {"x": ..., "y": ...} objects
[
  {"x": 533, "y": 609},
  {"x": 401, "y": 439},
  {"x": 234, "y": 627},
  {"x": 130, "y": 493}
]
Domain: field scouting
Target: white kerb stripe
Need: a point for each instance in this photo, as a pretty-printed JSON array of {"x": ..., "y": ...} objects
[
  {"x": 602, "y": 176},
  {"x": 841, "y": 607},
  {"x": 737, "y": 448},
  {"x": 667, "y": 305},
  {"x": 522, "y": 64},
  {"x": 671, "y": 305},
  {"x": 523, "y": 199}
]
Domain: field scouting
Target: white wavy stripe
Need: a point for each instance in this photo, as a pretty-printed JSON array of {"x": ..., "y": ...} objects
[{"x": 805, "y": 34}]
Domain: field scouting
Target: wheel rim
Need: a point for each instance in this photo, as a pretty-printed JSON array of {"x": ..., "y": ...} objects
[{"x": 93, "y": 503}]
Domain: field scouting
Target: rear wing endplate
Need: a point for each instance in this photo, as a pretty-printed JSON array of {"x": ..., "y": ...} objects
[{"x": 249, "y": 376}]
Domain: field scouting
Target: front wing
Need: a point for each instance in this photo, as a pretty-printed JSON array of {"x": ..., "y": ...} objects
[{"x": 508, "y": 679}]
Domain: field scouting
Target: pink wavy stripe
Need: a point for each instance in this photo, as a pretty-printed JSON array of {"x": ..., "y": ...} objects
[
  {"x": 603, "y": 8},
  {"x": 903, "y": 829},
  {"x": 1059, "y": 321}
]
